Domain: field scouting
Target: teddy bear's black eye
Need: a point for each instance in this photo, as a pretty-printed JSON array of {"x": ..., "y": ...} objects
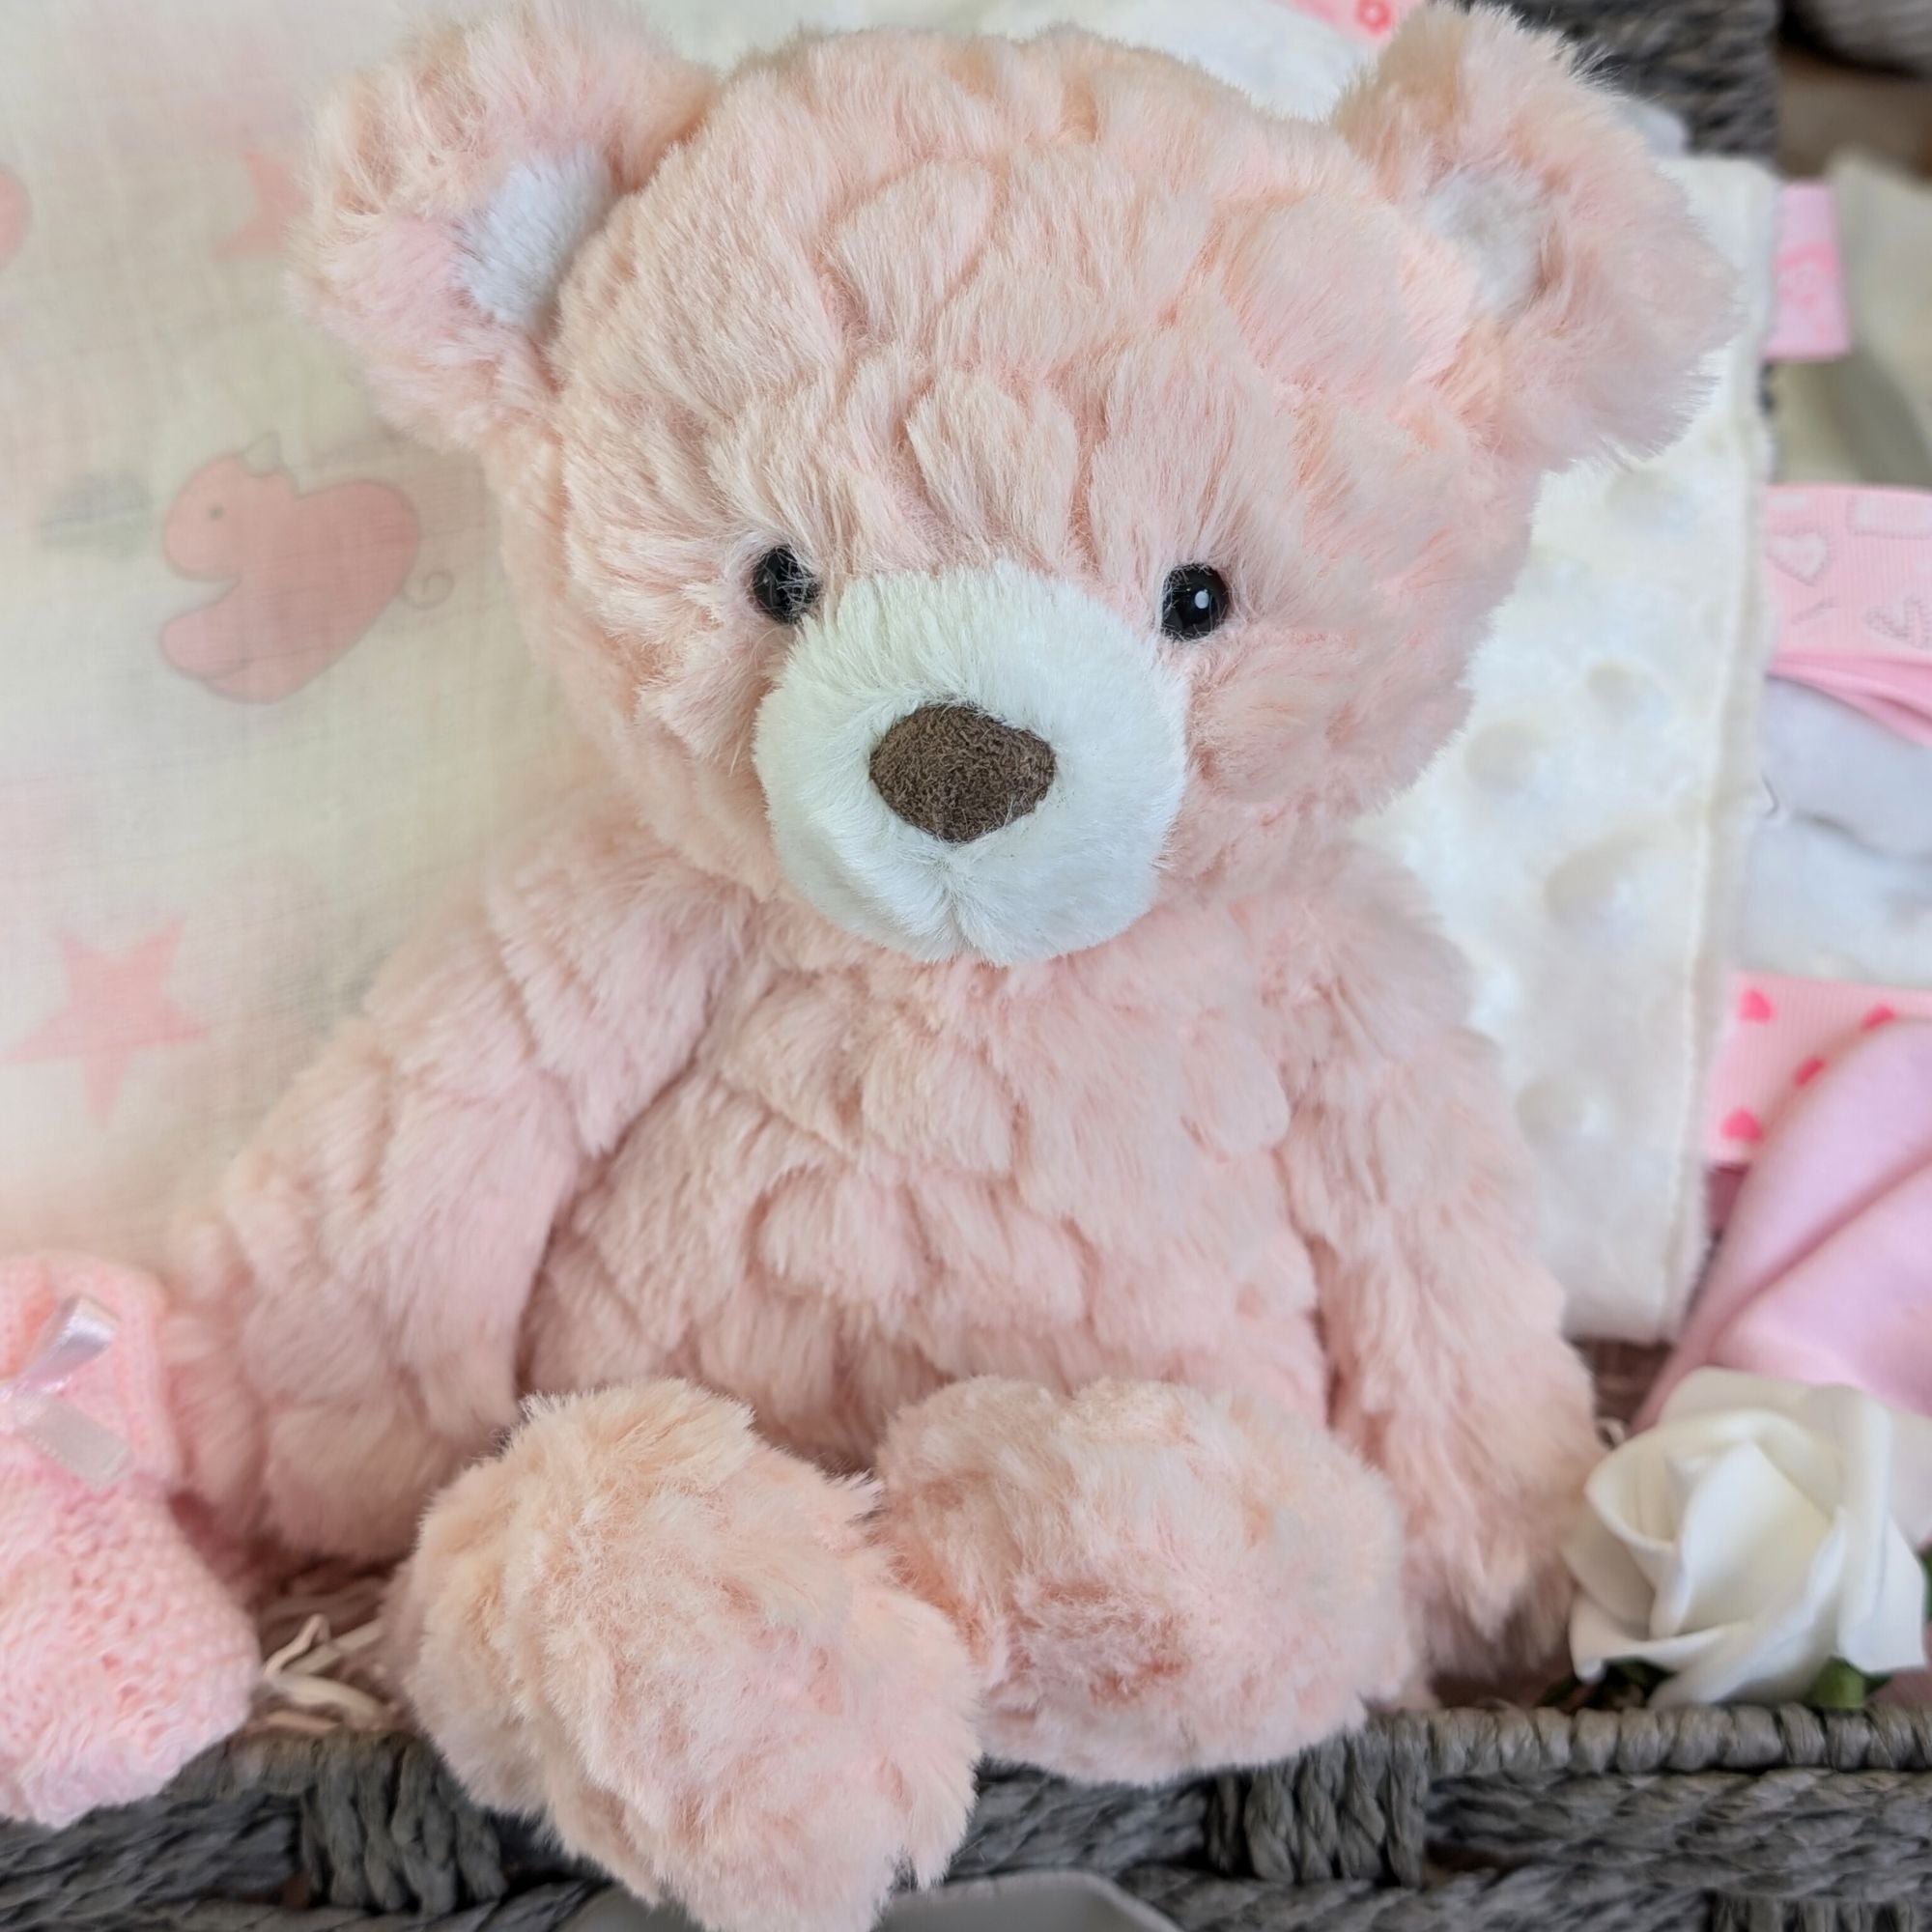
[
  {"x": 1193, "y": 600},
  {"x": 781, "y": 586}
]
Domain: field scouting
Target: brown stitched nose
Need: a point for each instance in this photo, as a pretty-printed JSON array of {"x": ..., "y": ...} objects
[{"x": 956, "y": 771}]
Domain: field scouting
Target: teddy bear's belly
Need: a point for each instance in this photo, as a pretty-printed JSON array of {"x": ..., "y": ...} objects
[{"x": 829, "y": 1250}]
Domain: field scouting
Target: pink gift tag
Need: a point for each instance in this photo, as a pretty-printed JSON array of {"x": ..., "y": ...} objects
[
  {"x": 1850, "y": 572},
  {"x": 1810, "y": 323},
  {"x": 1371, "y": 20},
  {"x": 1783, "y": 1033}
]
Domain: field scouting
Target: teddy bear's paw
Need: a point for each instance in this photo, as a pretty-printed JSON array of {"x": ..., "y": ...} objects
[
  {"x": 1485, "y": 1568},
  {"x": 1151, "y": 1580},
  {"x": 681, "y": 1644},
  {"x": 121, "y": 1654},
  {"x": 1500, "y": 1618}
]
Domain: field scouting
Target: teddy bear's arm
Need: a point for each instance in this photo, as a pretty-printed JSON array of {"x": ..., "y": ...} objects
[
  {"x": 1413, "y": 1188},
  {"x": 347, "y": 1314}
]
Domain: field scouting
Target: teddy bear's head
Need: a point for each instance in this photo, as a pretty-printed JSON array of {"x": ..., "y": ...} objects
[{"x": 981, "y": 489}]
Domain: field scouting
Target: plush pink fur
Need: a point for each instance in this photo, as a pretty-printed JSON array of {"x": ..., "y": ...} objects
[
  {"x": 1615, "y": 291},
  {"x": 1150, "y": 1579},
  {"x": 910, "y": 303},
  {"x": 404, "y": 155},
  {"x": 684, "y": 1643},
  {"x": 349, "y": 1312}
]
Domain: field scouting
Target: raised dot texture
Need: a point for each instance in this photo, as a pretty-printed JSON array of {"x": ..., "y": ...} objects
[
  {"x": 1652, "y": 500},
  {"x": 1600, "y": 886},
  {"x": 1555, "y": 1108},
  {"x": 1506, "y": 757},
  {"x": 1626, "y": 689}
]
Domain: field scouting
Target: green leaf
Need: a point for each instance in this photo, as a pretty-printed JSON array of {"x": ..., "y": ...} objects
[
  {"x": 1638, "y": 1674},
  {"x": 1840, "y": 1687}
]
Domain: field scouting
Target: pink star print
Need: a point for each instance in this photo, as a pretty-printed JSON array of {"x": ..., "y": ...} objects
[
  {"x": 116, "y": 1006},
  {"x": 278, "y": 198}
]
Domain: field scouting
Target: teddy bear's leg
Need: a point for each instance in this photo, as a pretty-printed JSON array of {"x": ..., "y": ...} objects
[
  {"x": 681, "y": 1644},
  {"x": 121, "y": 1653},
  {"x": 1448, "y": 1368},
  {"x": 345, "y": 1317},
  {"x": 1151, "y": 1580}
]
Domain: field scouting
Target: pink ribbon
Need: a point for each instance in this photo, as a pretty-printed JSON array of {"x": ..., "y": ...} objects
[
  {"x": 1890, "y": 689},
  {"x": 34, "y": 1406},
  {"x": 1850, "y": 571}
]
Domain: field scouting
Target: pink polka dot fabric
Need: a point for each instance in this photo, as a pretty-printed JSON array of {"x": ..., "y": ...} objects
[
  {"x": 1783, "y": 1033},
  {"x": 1821, "y": 1277}
]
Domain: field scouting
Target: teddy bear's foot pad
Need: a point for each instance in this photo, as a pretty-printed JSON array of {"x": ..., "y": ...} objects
[
  {"x": 1152, "y": 1581},
  {"x": 680, "y": 1643}
]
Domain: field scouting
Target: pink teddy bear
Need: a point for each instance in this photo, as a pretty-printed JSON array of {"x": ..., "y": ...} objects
[{"x": 971, "y": 1200}]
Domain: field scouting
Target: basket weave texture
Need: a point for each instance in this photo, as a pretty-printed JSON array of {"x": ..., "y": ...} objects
[
  {"x": 1713, "y": 62},
  {"x": 1458, "y": 1821}
]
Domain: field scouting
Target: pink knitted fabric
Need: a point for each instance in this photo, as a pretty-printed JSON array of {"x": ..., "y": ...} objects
[{"x": 104, "y": 1690}]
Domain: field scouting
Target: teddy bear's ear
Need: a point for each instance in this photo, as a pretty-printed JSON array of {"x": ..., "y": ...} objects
[
  {"x": 450, "y": 190},
  {"x": 1575, "y": 292}
]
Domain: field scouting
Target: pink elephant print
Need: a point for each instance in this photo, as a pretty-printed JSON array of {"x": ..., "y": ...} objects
[
  {"x": 307, "y": 574},
  {"x": 14, "y": 216}
]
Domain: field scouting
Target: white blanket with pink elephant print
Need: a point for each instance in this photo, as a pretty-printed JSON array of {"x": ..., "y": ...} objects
[{"x": 263, "y": 699}]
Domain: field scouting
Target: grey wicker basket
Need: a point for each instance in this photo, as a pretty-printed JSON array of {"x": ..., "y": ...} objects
[
  {"x": 1713, "y": 62},
  {"x": 1461, "y": 1821}
]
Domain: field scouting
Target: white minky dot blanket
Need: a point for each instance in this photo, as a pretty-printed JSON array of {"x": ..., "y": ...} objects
[
  {"x": 262, "y": 697},
  {"x": 1584, "y": 839}
]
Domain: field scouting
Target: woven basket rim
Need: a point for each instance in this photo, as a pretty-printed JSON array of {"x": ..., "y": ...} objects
[
  {"x": 1792, "y": 1802},
  {"x": 1503, "y": 1741}
]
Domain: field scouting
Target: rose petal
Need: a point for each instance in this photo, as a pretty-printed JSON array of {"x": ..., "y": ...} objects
[
  {"x": 1861, "y": 1428},
  {"x": 1773, "y": 1528},
  {"x": 1911, "y": 1476},
  {"x": 1774, "y": 1655},
  {"x": 1749, "y": 1536},
  {"x": 1631, "y": 1493},
  {"x": 1606, "y": 1571},
  {"x": 1597, "y": 1640},
  {"x": 1889, "y": 1635},
  {"x": 1723, "y": 1391},
  {"x": 1809, "y": 1455},
  {"x": 1782, "y": 1424}
]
